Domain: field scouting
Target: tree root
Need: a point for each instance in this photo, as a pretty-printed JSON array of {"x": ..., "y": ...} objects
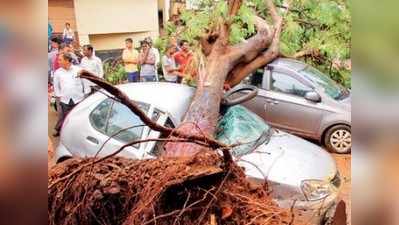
[{"x": 167, "y": 191}]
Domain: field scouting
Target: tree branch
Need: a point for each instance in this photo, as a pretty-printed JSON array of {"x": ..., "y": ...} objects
[
  {"x": 249, "y": 49},
  {"x": 205, "y": 45},
  {"x": 142, "y": 115},
  {"x": 273, "y": 11},
  {"x": 253, "y": 46},
  {"x": 241, "y": 71},
  {"x": 234, "y": 6}
]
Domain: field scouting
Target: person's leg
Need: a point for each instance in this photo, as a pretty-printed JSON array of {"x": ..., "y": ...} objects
[
  {"x": 179, "y": 80},
  {"x": 130, "y": 77},
  {"x": 68, "y": 41},
  {"x": 149, "y": 78},
  {"x": 136, "y": 77},
  {"x": 61, "y": 114}
]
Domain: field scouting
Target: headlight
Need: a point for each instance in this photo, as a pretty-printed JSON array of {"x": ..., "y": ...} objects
[{"x": 316, "y": 189}]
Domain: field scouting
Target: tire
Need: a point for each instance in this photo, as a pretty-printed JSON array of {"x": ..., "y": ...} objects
[
  {"x": 338, "y": 139},
  {"x": 63, "y": 159}
]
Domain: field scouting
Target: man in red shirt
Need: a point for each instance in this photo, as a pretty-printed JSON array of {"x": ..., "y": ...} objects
[{"x": 182, "y": 58}]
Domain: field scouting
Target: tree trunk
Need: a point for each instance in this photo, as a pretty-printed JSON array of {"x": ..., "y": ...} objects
[
  {"x": 222, "y": 59},
  {"x": 202, "y": 115}
]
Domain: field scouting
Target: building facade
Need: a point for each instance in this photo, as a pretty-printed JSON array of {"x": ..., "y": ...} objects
[{"x": 106, "y": 24}]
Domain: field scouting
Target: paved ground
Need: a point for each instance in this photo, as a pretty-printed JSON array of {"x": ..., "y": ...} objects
[
  {"x": 344, "y": 167},
  {"x": 343, "y": 163}
]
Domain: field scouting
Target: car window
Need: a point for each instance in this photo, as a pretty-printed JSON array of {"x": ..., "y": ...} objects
[
  {"x": 331, "y": 88},
  {"x": 159, "y": 146},
  {"x": 256, "y": 78},
  {"x": 98, "y": 117},
  {"x": 169, "y": 123},
  {"x": 287, "y": 84},
  {"x": 121, "y": 118}
]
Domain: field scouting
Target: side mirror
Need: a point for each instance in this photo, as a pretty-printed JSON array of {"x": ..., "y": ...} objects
[{"x": 312, "y": 96}]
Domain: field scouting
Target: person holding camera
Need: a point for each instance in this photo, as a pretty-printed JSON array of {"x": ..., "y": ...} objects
[{"x": 147, "y": 60}]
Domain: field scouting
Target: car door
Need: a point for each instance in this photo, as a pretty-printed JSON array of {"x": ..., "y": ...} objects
[{"x": 285, "y": 106}]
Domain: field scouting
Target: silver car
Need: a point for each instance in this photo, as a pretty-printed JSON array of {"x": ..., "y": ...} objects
[
  {"x": 296, "y": 170},
  {"x": 298, "y": 98}
]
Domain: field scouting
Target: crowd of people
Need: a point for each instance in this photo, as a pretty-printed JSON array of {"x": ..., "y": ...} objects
[
  {"x": 66, "y": 63},
  {"x": 173, "y": 62}
]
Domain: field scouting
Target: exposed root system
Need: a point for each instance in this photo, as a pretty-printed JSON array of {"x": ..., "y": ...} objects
[{"x": 168, "y": 191}]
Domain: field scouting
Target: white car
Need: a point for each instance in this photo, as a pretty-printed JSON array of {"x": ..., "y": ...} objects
[{"x": 296, "y": 170}]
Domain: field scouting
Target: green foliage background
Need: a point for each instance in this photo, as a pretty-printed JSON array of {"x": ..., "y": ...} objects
[
  {"x": 322, "y": 26},
  {"x": 114, "y": 72}
]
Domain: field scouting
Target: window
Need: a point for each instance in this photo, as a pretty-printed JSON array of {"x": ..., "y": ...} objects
[
  {"x": 158, "y": 149},
  {"x": 330, "y": 87},
  {"x": 256, "y": 78},
  {"x": 284, "y": 83},
  {"x": 115, "y": 119},
  {"x": 120, "y": 119},
  {"x": 99, "y": 116},
  {"x": 169, "y": 123}
]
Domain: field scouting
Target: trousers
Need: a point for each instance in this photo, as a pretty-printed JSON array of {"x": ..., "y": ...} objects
[{"x": 64, "y": 109}]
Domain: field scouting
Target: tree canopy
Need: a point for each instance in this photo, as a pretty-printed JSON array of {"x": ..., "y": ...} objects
[{"x": 317, "y": 32}]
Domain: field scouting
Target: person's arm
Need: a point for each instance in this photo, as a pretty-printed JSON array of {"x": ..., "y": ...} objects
[
  {"x": 85, "y": 83},
  {"x": 168, "y": 68},
  {"x": 72, "y": 34},
  {"x": 157, "y": 55},
  {"x": 151, "y": 58},
  {"x": 56, "y": 84},
  {"x": 64, "y": 33},
  {"x": 100, "y": 68},
  {"x": 75, "y": 59},
  {"x": 143, "y": 57}
]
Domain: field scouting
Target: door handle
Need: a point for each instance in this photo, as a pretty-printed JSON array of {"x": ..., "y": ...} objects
[
  {"x": 272, "y": 102},
  {"x": 92, "y": 140}
]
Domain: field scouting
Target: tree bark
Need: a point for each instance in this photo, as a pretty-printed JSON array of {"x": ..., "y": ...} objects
[{"x": 202, "y": 115}]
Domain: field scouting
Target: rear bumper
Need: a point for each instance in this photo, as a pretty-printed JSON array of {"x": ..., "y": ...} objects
[{"x": 61, "y": 152}]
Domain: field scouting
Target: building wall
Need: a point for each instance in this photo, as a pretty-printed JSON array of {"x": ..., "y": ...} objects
[
  {"x": 60, "y": 12},
  {"x": 117, "y": 19},
  {"x": 117, "y": 41}
]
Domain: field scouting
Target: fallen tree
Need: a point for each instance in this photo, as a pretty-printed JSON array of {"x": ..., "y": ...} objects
[
  {"x": 220, "y": 61},
  {"x": 205, "y": 188},
  {"x": 190, "y": 184}
]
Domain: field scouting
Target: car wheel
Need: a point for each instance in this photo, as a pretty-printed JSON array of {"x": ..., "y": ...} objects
[
  {"x": 63, "y": 159},
  {"x": 338, "y": 139}
]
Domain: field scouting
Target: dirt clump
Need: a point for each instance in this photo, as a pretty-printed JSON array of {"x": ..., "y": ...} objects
[{"x": 195, "y": 190}]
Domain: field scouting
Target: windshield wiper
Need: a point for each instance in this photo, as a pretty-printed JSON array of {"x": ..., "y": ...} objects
[{"x": 264, "y": 137}]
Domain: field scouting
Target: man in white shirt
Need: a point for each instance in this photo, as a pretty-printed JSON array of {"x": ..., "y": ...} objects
[
  {"x": 68, "y": 35},
  {"x": 92, "y": 63},
  {"x": 69, "y": 89},
  {"x": 169, "y": 67}
]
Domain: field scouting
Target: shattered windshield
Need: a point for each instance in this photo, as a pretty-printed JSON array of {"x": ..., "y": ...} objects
[{"x": 239, "y": 125}]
